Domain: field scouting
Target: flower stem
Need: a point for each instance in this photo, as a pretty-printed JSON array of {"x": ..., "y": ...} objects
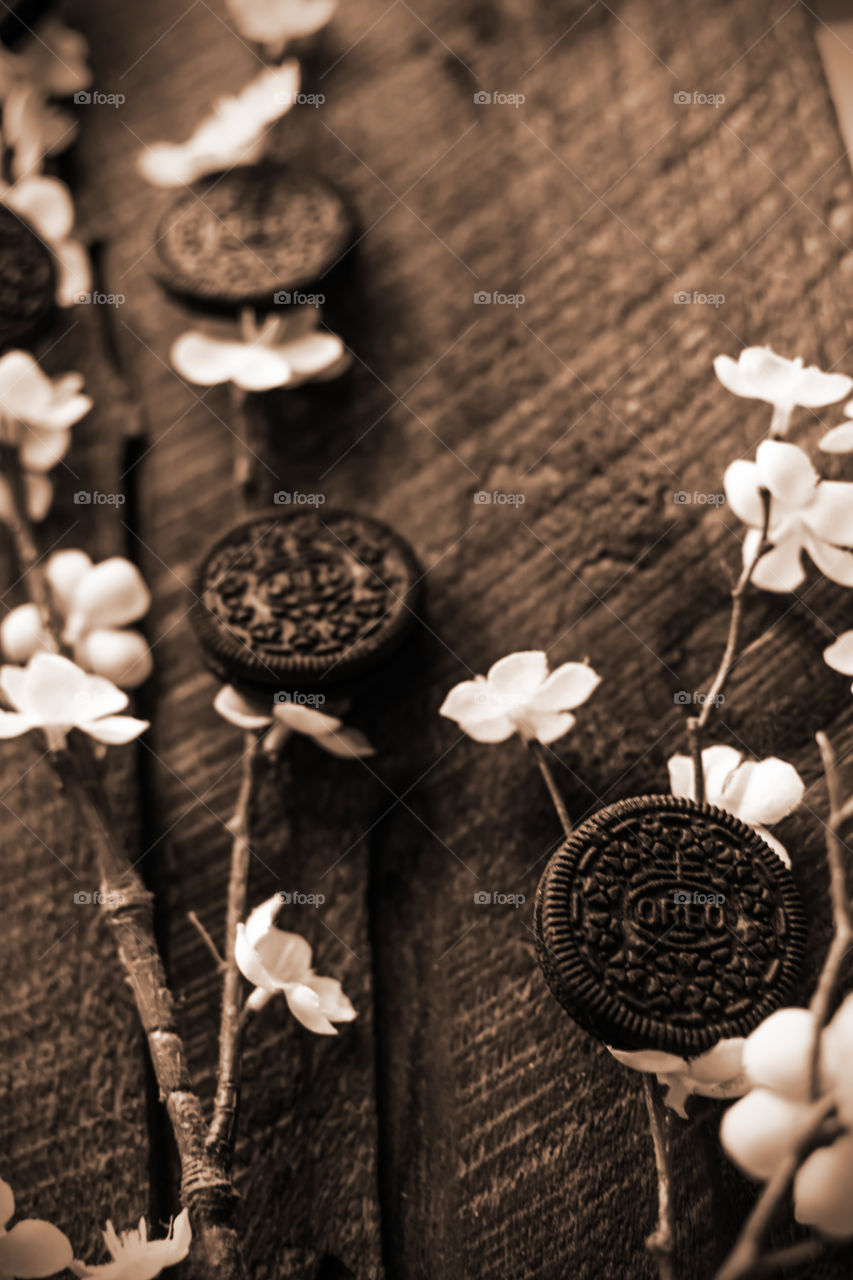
[
  {"x": 540, "y": 755},
  {"x": 841, "y": 917},
  {"x": 29, "y": 561},
  {"x": 220, "y": 1137},
  {"x": 206, "y": 1187},
  {"x": 661, "y": 1243},
  {"x": 696, "y": 724}
]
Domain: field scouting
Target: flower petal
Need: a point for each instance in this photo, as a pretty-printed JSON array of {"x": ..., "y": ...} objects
[
  {"x": 22, "y": 633},
  {"x": 519, "y": 675},
  {"x": 334, "y": 1004},
  {"x": 304, "y": 1004},
  {"x": 469, "y": 702},
  {"x": 830, "y": 514},
  {"x": 305, "y": 719},
  {"x": 780, "y": 569},
  {"x": 232, "y": 706},
  {"x": 835, "y": 564},
  {"x": 566, "y": 688},
  {"x": 285, "y": 956},
  {"x": 823, "y": 1190},
  {"x": 786, "y": 471},
  {"x": 249, "y": 962},
  {"x": 498, "y": 729},
  {"x": 41, "y": 448},
  {"x": 838, "y": 440},
  {"x": 12, "y": 724},
  {"x": 761, "y": 792},
  {"x": 46, "y": 204},
  {"x": 742, "y": 483},
  {"x": 718, "y": 764},
  {"x": 113, "y": 730},
  {"x": 761, "y": 1129},
  {"x": 258, "y": 368},
  {"x": 34, "y": 1248},
  {"x": 547, "y": 726},
  {"x": 314, "y": 353},
  {"x": 681, "y": 776},
  {"x": 203, "y": 360},
  {"x": 839, "y": 655}
]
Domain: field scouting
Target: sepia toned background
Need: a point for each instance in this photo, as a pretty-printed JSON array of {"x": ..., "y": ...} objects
[{"x": 462, "y": 1127}]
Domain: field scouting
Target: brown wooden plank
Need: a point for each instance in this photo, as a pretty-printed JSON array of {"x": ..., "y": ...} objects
[{"x": 509, "y": 1143}]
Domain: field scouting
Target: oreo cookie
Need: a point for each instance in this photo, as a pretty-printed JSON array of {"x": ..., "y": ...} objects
[
  {"x": 238, "y": 239},
  {"x": 27, "y": 279},
  {"x": 663, "y": 924},
  {"x": 296, "y": 600}
]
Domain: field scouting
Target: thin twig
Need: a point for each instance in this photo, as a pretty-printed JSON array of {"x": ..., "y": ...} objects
[
  {"x": 841, "y": 917},
  {"x": 747, "y": 1251},
  {"x": 220, "y": 1136},
  {"x": 661, "y": 1242},
  {"x": 540, "y": 755},
  {"x": 696, "y": 724},
  {"x": 206, "y": 939}
]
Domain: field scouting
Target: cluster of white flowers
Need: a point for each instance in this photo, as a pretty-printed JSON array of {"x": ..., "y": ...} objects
[
  {"x": 51, "y": 65},
  {"x": 34, "y": 1248},
  {"x": 767, "y": 1123}
]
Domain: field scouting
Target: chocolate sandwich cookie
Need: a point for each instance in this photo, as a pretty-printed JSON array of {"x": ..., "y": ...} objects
[
  {"x": 663, "y": 924},
  {"x": 302, "y": 599},
  {"x": 238, "y": 239},
  {"x": 27, "y": 279}
]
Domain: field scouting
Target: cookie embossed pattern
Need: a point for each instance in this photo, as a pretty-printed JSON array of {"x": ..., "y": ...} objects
[
  {"x": 662, "y": 924},
  {"x": 296, "y": 598}
]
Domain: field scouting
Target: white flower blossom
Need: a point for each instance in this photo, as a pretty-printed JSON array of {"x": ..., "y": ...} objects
[
  {"x": 519, "y": 696},
  {"x": 806, "y": 514},
  {"x": 32, "y": 1248},
  {"x": 717, "y": 1073},
  {"x": 53, "y": 694},
  {"x": 759, "y": 792},
  {"x": 96, "y": 602},
  {"x": 281, "y": 352},
  {"x": 761, "y": 374},
  {"x": 135, "y": 1257},
  {"x": 37, "y": 414},
  {"x": 274, "y": 961},
  {"x": 233, "y": 134},
  {"x": 763, "y": 1128},
  {"x": 286, "y": 717}
]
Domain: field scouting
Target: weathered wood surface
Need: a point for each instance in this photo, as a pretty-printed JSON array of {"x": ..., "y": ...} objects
[{"x": 462, "y": 1127}]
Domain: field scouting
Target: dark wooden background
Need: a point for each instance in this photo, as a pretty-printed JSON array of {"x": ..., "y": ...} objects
[{"x": 462, "y": 1127}]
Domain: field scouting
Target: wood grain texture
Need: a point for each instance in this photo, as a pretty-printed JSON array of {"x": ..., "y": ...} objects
[{"x": 463, "y": 1127}]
